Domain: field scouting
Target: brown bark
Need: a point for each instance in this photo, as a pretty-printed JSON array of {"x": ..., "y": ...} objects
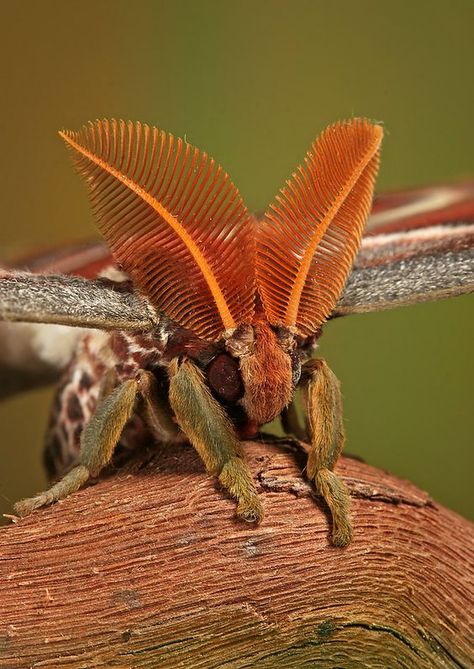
[{"x": 150, "y": 569}]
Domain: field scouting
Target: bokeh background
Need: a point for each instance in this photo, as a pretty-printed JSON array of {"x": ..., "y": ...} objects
[{"x": 253, "y": 82}]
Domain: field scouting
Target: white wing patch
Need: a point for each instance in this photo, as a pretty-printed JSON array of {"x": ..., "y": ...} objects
[
  {"x": 432, "y": 199},
  {"x": 435, "y": 232}
]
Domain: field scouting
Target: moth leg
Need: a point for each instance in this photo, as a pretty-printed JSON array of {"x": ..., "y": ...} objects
[
  {"x": 324, "y": 414},
  {"x": 211, "y": 433},
  {"x": 98, "y": 441},
  {"x": 291, "y": 424},
  {"x": 107, "y": 384},
  {"x": 155, "y": 408}
]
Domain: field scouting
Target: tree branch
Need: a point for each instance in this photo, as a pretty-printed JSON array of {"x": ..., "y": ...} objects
[{"x": 150, "y": 569}]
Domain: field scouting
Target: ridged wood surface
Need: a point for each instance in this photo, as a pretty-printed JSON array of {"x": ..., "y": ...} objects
[{"x": 149, "y": 568}]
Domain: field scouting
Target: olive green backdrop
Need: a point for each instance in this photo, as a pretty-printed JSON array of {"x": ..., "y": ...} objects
[{"x": 253, "y": 82}]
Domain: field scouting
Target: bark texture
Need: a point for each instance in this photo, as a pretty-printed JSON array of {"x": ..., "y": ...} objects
[{"x": 150, "y": 569}]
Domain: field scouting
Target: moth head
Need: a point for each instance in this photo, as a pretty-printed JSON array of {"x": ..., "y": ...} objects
[{"x": 269, "y": 366}]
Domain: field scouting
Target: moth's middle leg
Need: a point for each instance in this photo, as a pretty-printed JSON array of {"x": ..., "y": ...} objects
[{"x": 211, "y": 433}]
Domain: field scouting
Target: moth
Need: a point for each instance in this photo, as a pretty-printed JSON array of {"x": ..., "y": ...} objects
[{"x": 198, "y": 321}]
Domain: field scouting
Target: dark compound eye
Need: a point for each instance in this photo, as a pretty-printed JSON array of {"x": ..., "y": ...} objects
[{"x": 224, "y": 378}]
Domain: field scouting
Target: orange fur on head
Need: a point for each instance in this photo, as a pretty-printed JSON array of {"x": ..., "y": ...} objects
[{"x": 267, "y": 376}]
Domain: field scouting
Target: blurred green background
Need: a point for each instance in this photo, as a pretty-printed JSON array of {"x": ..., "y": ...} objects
[{"x": 253, "y": 82}]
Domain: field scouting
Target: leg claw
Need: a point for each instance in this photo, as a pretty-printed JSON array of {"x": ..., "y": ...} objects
[{"x": 250, "y": 510}]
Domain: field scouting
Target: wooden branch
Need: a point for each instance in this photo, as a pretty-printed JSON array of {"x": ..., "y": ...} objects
[{"x": 151, "y": 569}]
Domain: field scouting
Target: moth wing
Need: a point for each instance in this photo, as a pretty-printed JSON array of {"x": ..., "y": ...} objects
[
  {"x": 87, "y": 259},
  {"x": 74, "y": 301},
  {"x": 442, "y": 204},
  {"x": 419, "y": 247},
  {"x": 33, "y": 355},
  {"x": 43, "y": 315}
]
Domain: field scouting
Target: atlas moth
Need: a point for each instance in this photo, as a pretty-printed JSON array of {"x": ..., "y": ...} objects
[{"x": 197, "y": 320}]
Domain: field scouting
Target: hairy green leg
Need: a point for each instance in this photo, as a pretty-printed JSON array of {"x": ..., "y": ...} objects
[
  {"x": 108, "y": 383},
  {"x": 98, "y": 441},
  {"x": 324, "y": 415},
  {"x": 153, "y": 406},
  {"x": 291, "y": 424},
  {"x": 210, "y": 431}
]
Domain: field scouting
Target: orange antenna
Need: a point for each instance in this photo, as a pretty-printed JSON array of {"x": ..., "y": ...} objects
[
  {"x": 308, "y": 240},
  {"x": 173, "y": 220}
]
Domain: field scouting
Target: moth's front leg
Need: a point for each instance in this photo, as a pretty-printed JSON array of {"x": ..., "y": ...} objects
[
  {"x": 324, "y": 415},
  {"x": 98, "y": 441},
  {"x": 210, "y": 431}
]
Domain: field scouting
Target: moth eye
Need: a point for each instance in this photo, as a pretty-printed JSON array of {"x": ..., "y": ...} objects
[{"x": 224, "y": 378}]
